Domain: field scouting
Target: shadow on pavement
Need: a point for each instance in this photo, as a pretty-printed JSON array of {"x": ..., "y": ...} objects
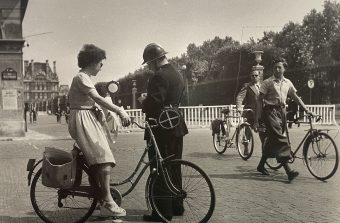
[
  {"x": 216, "y": 156},
  {"x": 19, "y": 219},
  {"x": 133, "y": 215},
  {"x": 250, "y": 173}
]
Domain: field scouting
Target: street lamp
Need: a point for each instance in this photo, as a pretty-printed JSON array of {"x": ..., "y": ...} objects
[
  {"x": 184, "y": 68},
  {"x": 134, "y": 91}
]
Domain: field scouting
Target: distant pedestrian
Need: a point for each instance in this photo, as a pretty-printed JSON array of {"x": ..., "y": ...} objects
[
  {"x": 112, "y": 118},
  {"x": 292, "y": 109},
  {"x": 34, "y": 115},
  {"x": 58, "y": 114},
  {"x": 272, "y": 98},
  {"x": 67, "y": 114}
]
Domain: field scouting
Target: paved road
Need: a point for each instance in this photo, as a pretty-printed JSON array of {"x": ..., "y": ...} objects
[{"x": 242, "y": 195}]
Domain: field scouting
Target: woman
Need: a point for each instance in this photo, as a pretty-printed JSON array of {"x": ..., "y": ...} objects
[
  {"x": 85, "y": 124},
  {"x": 272, "y": 98}
]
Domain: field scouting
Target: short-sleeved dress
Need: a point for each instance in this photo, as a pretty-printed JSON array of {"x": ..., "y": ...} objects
[{"x": 84, "y": 127}]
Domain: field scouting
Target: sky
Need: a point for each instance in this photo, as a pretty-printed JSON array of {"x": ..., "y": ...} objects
[{"x": 57, "y": 29}]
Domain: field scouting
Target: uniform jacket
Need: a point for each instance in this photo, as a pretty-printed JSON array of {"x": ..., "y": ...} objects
[{"x": 165, "y": 88}]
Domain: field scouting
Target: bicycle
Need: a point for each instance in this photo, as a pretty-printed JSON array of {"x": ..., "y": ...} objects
[
  {"x": 317, "y": 147},
  {"x": 244, "y": 136},
  {"x": 77, "y": 204}
]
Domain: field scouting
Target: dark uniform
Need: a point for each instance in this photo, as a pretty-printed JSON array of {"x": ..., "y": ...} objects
[{"x": 165, "y": 88}]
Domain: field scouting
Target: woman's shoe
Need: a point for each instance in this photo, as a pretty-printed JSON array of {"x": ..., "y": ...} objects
[{"x": 111, "y": 209}]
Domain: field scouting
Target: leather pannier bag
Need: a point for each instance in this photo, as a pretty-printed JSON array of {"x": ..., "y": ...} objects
[{"x": 59, "y": 168}]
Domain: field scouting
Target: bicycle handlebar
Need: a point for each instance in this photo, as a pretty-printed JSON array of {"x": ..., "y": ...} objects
[
  {"x": 144, "y": 127},
  {"x": 317, "y": 116}
]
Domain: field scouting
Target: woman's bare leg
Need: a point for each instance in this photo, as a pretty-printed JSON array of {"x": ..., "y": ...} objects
[{"x": 103, "y": 173}]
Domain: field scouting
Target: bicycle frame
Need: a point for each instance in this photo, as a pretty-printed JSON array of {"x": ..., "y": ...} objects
[
  {"x": 83, "y": 190},
  {"x": 310, "y": 131},
  {"x": 227, "y": 121}
]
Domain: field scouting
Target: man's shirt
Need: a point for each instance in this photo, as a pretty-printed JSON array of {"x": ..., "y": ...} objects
[{"x": 276, "y": 91}]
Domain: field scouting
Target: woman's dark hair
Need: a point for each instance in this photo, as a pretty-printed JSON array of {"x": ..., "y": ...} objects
[
  {"x": 90, "y": 54},
  {"x": 280, "y": 59}
]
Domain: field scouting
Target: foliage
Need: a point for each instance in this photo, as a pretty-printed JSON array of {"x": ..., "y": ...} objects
[{"x": 313, "y": 43}]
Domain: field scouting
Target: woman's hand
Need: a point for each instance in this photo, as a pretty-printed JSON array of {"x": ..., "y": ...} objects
[{"x": 124, "y": 117}]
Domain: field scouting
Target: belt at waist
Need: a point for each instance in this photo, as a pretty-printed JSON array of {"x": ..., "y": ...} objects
[{"x": 90, "y": 108}]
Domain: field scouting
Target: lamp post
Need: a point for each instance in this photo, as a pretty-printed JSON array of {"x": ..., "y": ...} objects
[
  {"x": 185, "y": 78},
  {"x": 258, "y": 67},
  {"x": 134, "y": 91}
]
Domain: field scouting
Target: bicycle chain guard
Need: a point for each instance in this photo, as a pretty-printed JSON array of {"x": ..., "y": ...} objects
[{"x": 169, "y": 118}]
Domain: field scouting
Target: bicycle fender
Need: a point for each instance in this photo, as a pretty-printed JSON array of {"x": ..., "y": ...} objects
[
  {"x": 306, "y": 143},
  {"x": 31, "y": 165}
]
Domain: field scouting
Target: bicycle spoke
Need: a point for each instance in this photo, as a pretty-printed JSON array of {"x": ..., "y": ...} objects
[
  {"x": 196, "y": 196},
  {"x": 322, "y": 157}
]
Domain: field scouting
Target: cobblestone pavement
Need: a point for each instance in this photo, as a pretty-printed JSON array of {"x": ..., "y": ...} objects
[{"x": 242, "y": 195}]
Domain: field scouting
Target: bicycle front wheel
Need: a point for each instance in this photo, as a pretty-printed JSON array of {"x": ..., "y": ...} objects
[
  {"x": 321, "y": 156},
  {"x": 55, "y": 205},
  {"x": 193, "y": 199},
  {"x": 220, "y": 142},
  {"x": 244, "y": 141}
]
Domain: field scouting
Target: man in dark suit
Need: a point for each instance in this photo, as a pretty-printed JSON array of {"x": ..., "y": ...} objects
[
  {"x": 165, "y": 89},
  {"x": 248, "y": 96}
]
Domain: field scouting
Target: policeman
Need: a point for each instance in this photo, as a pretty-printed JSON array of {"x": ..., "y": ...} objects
[{"x": 165, "y": 89}]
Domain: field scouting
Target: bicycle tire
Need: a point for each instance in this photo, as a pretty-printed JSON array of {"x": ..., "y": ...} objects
[
  {"x": 49, "y": 200},
  {"x": 147, "y": 192},
  {"x": 273, "y": 164},
  {"x": 244, "y": 136},
  {"x": 196, "y": 200},
  {"x": 319, "y": 147},
  {"x": 220, "y": 143}
]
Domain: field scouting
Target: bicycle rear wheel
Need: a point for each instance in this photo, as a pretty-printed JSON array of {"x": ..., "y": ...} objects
[
  {"x": 55, "y": 205},
  {"x": 321, "y": 156},
  {"x": 244, "y": 141},
  {"x": 195, "y": 197},
  {"x": 220, "y": 142}
]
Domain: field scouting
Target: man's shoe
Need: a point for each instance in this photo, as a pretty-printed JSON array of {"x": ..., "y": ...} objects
[
  {"x": 154, "y": 218},
  {"x": 262, "y": 170},
  {"x": 292, "y": 175}
]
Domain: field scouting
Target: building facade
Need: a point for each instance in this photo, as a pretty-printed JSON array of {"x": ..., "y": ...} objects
[
  {"x": 41, "y": 84},
  {"x": 12, "y": 13}
]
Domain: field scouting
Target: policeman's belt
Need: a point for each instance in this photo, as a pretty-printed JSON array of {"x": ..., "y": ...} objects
[{"x": 278, "y": 106}]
